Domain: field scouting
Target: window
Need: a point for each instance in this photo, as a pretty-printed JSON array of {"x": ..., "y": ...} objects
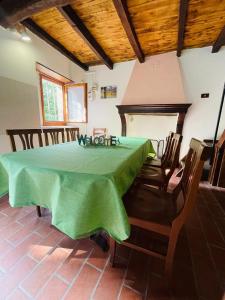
[
  {"x": 76, "y": 105},
  {"x": 62, "y": 100},
  {"x": 52, "y": 97}
]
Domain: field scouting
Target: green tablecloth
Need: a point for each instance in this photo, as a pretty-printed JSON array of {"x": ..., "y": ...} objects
[{"x": 82, "y": 186}]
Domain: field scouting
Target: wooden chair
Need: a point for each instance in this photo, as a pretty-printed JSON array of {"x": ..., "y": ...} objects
[
  {"x": 27, "y": 139},
  {"x": 217, "y": 171},
  {"x": 160, "y": 176},
  {"x": 163, "y": 214},
  {"x": 157, "y": 162},
  {"x": 52, "y": 135},
  {"x": 71, "y": 134},
  {"x": 26, "y": 136},
  {"x": 99, "y": 131}
]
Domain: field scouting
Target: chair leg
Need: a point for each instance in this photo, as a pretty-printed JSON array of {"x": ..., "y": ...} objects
[
  {"x": 112, "y": 251},
  {"x": 38, "y": 208},
  {"x": 170, "y": 256}
]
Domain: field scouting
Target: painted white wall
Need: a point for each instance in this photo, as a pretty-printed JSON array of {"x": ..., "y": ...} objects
[
  {"x": 18, "y": 70},
  {"x": 102, "y": 113},
  {"x": 202, "y": 72}
]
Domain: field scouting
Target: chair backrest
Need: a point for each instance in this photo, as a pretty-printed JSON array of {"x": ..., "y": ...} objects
[
  {"x": 71, "y": 134},
  {"x": 167, "y": 148},
  {"x": 218, "y": 157},
  {"x": 99, "y": 131},
  {"x": 26, "y": 136},
  {"x": 172, "y": 158},
  {"x": 188, "y": 186},
  {"x": 52, "y": 135}
]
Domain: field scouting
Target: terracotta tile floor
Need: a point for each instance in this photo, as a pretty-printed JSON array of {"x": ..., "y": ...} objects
[{"x": 39, "y": 262}]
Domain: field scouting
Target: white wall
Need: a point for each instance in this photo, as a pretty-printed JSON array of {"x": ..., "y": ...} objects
[
  {"x": 203, "y": 72},
  {"x": 102, "y": 113},
  {"x": 17, "y": 69}
]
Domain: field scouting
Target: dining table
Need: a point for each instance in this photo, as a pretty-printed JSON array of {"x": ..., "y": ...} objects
[{"x": 82, "y": 186}]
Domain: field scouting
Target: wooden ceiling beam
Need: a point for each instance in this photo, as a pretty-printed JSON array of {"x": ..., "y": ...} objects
[
  {"x": 33, "y": 27},
  {"x": 220, "y": 41},
  {"x": 182, "y": 22},
  {"x": 123, "y": 13},
  {"x": 76, "y": 23},
  {"x": 12, "y": 12}
]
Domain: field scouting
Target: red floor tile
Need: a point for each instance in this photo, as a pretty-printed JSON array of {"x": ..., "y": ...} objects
[
  {"x": 44, "y": 270},
  {"x": 75, "y": 261},
  {"x": 128, "y": 294},
  {"x": 110, "y": 284},
  {"x": 15, "y": 254},
  {"x": 46, "y": 245},
  {"x": 55, "y": 289},
  {"x": 18, "y": 295},
  {"x": 7, "y": 231},
  {"x": 84, "y": 284},
  {"x": 137, "y": 272},
  {"x": 12, "y": 279},
  {"x": 98, "y": 258}
]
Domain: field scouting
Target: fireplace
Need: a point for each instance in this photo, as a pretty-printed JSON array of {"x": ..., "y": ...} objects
[{"x": 167, "y": 109}]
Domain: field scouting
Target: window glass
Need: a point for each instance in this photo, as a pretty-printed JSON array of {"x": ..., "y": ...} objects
[
  {"x": 76, "y": 103},
  {"x": 52, "y": 101}
]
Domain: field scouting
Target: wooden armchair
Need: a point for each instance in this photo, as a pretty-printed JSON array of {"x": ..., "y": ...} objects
[
  {"x": 160, "y": 176},
  {"x": 52, "y": 135},
  {"x": 217, "y": 172},
  {"x": 164, "y": 214},
  {"x": 27, "y": 139},
  {"x": 71, "y": 134},
  {"x": 99, "y": 131}
]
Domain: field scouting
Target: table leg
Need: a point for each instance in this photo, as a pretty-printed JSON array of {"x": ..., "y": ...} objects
[{"x": 101, "y": 240}]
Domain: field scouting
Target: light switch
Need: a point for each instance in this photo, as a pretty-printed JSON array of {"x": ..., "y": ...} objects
[{"x": 205, "y": 95}]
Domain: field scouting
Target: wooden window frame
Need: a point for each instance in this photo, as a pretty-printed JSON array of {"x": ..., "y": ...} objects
[
  {"x": 84, "y": 84},
  {"x": 52, "y": 123},
  {"x": 46, "y": 73}
]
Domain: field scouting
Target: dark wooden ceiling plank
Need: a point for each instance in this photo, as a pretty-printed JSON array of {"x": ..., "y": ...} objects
[
  {"x": 123, "y": 13},
  {"x": 220, "y": 41},
  {"x": 12, "y": 12},
  {"x": 182, "y": 22},
  {"x": 74, "y": 20},
  {"x": 33, "y": 27}
]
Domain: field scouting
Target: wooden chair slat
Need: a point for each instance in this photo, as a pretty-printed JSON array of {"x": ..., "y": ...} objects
[
  {"x": 217, "y": 171},
  {"x": 26, "y": 136},
  {"x": 71, "y": 134},
  {"x": 52, "y": 135},
  {"x": 160, "y": 177}
]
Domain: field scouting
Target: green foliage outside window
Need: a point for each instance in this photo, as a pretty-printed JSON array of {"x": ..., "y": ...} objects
[{"x": 53, "y": 100}]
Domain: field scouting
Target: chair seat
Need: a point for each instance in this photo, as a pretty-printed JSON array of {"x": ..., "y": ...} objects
[
  {"x": 151, "y": 205},
  {"x": 152, "y": 175},
  {"x": 156, "y": 162}
]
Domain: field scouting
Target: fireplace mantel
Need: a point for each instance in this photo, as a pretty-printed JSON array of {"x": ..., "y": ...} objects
[{"x": 180, "y": 109}]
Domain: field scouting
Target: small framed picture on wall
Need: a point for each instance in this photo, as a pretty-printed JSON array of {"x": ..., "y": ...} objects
[{"x": 109, "y": 92}]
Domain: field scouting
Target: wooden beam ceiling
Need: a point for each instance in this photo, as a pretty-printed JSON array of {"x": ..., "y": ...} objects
[
  {"x": 123, "y": 13},
  {"x": 33, "y": 27},
  {"x": 220, "y": 41},
  {"x": 70, "y": 15},
  {"x": 182, "y": 22},
  {"x": 12, "y": 12}
]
